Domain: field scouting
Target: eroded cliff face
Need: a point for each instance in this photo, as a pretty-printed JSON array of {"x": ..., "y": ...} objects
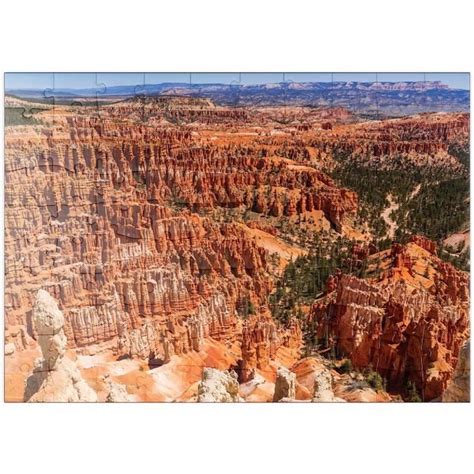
[
  {"x": 408, "y": 323},
  {"x": 125, "y": 216},
  {"x": 459, "y": 387},
  {"x": 104, "y": 216},
  {"x": 261, "y": 339},
  {"x": 420, "y": 140}
]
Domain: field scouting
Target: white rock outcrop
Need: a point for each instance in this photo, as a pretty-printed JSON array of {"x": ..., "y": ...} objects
[
  {"x": 48, "y": 322},
  {"x": 218, "y": 386},
  {"x": 9, "y": 348},
  {"x": 323, "y": 387},
  {"x": 285, "y": 385},
  {"x": 117, "y": 393},
  {"x": 55, "y": 377}
]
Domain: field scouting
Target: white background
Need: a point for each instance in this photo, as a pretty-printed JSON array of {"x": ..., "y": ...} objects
[{"x": 236, "y": 36}]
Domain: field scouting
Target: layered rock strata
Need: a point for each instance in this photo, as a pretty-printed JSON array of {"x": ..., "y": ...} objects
[
  {"x": 409, "y": 324},
  {"x": 99, "y": 211},
  {"x": 125, "y": 217},
  {"x": 261, "y": 338}
]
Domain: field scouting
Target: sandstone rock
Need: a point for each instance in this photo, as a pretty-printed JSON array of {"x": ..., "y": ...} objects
[
  {"x": 314, "y": 379},
  {"x": 48, "y": 322},
  {"x": 285, "y": 385},
  {"x": 55, "y": 377},
  {"x": 420, "y": 140},
  {"x": 323, "y": 387},
  {"x": 63, "y": 384},
  {"x": 424, "y": 243},
  {"x": 459, "y": 389},
  {"x": 124, "y": 219},
  {"x": 9, "y": 349},
  {"x": 261, "y": 338},
  {"x": 114, "y": 265},
  {"x": 399, "y": 325},
  {"x": 218, "y": 386},
  {"x": 117, "y": 393}
]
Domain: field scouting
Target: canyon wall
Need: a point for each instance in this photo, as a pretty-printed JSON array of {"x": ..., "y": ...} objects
[
  {"x": 125, "y": 216},
  {"x": 408, "y": 324},
  {"x": 110, "y": 219}
]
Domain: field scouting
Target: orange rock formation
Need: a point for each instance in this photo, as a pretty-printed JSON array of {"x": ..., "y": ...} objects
[
  {"x": 408, "y": 324},
  {"x": 124, "y": 216}
]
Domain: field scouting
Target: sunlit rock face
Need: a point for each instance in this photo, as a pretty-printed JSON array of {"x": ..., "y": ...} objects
[
  {"x": 159, "y": 227},
  {"x": 409, "y": 324},
  {"x": 458, "y": 389}
]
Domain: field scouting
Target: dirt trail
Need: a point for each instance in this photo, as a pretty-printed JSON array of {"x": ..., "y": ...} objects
[
  {"x": 415, "y": 191},
  {"x": 393, "y": 206},
  {"x": 392, "y": 225}
]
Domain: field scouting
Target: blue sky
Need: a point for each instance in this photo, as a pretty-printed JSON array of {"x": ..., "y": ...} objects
[{"x": 91, "y": 80}]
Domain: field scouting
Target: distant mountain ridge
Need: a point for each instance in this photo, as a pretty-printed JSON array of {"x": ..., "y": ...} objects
[{"x": 387, "y": 98}]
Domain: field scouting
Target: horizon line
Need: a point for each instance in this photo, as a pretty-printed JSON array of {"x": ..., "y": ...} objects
[
  {"x": 99, "y": 80},
  {"x": 78, "y": 88}
]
